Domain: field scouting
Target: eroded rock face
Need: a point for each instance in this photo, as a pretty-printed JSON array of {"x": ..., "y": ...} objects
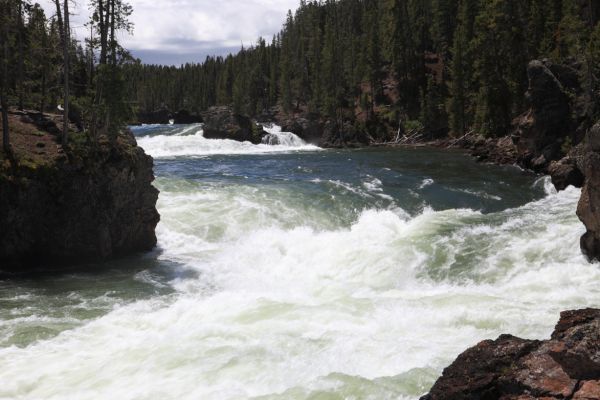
[
  {"x": 223, "y": 123},
  {"x": 88, "y": 208},
  {"x": 588, "y": 209},
  {"x": 509, "y": 368}
]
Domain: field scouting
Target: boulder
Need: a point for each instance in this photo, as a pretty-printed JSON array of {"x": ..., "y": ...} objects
[
  {"x": 509, "y": 368},
  {"x": 565, "y": 173},
  {"x": 223, "y": 123}
]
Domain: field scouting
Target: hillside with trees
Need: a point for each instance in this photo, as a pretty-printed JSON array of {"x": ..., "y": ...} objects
[
  {"x": 44, "y": 68},
  {"x": 441, "y": 65}
]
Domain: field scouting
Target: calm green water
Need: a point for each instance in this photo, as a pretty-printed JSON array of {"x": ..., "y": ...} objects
[{"x": 291, "y": 272}]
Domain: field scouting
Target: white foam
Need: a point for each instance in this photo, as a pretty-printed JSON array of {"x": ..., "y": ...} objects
[
  {"x": 190, "y": 141},
  {"x": 374, "y": 309},
  {"x": 426, "y": 182}
]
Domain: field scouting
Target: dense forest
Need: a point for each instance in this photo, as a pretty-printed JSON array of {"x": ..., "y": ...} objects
[
  {"x": 439, "y": 64},
  {"x": 44, "y": 68},
  {"x": 436, "y": 64}
]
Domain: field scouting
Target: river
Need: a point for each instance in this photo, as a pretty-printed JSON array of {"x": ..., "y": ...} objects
[{"x": 285, "y": 271}]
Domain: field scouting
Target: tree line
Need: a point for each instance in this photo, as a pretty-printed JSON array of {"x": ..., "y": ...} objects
[
  {"x": 459, "y": 64},
  {"x": 44, "y": 68}
]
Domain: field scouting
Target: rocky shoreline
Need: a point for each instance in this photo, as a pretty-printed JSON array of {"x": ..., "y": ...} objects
[
  {"x": 567, "y": 366},
  {"x": 62, "y": 206}
]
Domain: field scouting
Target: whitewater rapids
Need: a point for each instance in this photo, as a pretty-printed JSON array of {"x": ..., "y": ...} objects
[
  {"x": 289, "y": 272},
  {"x": 189, "y": 140}
]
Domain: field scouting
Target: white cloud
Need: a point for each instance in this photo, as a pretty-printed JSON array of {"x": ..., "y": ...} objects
[{"x": 189, "y": 27}]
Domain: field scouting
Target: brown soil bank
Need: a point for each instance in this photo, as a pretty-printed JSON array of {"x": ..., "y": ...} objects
[
  {"x": 567, "y": 366},
  {"x": 65, "y": 206}
]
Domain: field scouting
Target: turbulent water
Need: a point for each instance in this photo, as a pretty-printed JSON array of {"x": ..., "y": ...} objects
[{"x": 289, "y": 272}]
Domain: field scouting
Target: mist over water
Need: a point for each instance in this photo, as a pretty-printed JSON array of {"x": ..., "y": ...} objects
[{"x": 289, "y": 272}]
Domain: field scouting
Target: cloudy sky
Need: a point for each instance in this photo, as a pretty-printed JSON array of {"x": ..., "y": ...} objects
[{"x": 178, "y": 31}]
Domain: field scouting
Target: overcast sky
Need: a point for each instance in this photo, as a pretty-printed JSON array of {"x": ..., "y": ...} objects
[{"x": 178, "y": 31}]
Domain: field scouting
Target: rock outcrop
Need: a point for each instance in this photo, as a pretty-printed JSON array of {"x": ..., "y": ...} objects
[
  {"x": 567, "y": 366},
  {"x": 543, "y": 129},
  {"x": 65, "y": 206},
  {"x": 588, "y": 209},
  {"x": 223, "y": 123}
]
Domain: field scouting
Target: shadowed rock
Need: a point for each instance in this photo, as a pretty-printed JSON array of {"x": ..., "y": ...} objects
[
  {"x": 588, "y": 209},
  {"x": 60, "y": 207}
]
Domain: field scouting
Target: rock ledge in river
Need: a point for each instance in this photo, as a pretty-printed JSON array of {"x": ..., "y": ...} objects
[
  {"x": 223, "y": 123},
  {"x": 567, "y": 366},
  {"x": 61, "y": 207}
]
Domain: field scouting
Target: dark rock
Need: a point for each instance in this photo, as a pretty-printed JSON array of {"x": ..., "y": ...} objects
[
  {"x": 565, "y": 173},
  {"x": 307, "y": 127},
  {"x": 509, "y": 368},
  {"x": 160, "y": 116},
  {"x": 95, "y": 206},
  {"x": 547, "y": 123},
  {"x": 499, "y": 151},
  {"x": 223, "y": 123},
  {"x": 185, "y": 117},
  {"x": 475, "y": 373},
  {"x": 588, "y": 209}
]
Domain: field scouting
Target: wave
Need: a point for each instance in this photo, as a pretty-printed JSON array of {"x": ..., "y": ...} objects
[
  {"x": 178, "y": 141},
  {"x": 286, "y": 310}
]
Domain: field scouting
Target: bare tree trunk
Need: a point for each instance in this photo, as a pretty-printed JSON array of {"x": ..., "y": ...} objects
[
  {"x": 59, "y": 21},
  {"x": 104, "y": 22},
  {"x": 113, "y": 42},
  {"x": 3, "y": 85},
  {"x": 20, "y": 51},
  {"x": 91, "y": 55},
  {"x": 66, "y": 42}
]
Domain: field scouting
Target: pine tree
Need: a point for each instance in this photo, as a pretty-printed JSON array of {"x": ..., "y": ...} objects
[{"x": 459, "y": 73}]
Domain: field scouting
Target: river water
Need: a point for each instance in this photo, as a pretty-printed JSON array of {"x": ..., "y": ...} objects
[{"x": 285, "y": 271}]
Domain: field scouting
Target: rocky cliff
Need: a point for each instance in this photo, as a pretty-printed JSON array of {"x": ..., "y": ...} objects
[
  {"x": 588, "y": 209},
  {"x": 567, "y": 366},
  {"x": 62, "y": 206}
]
